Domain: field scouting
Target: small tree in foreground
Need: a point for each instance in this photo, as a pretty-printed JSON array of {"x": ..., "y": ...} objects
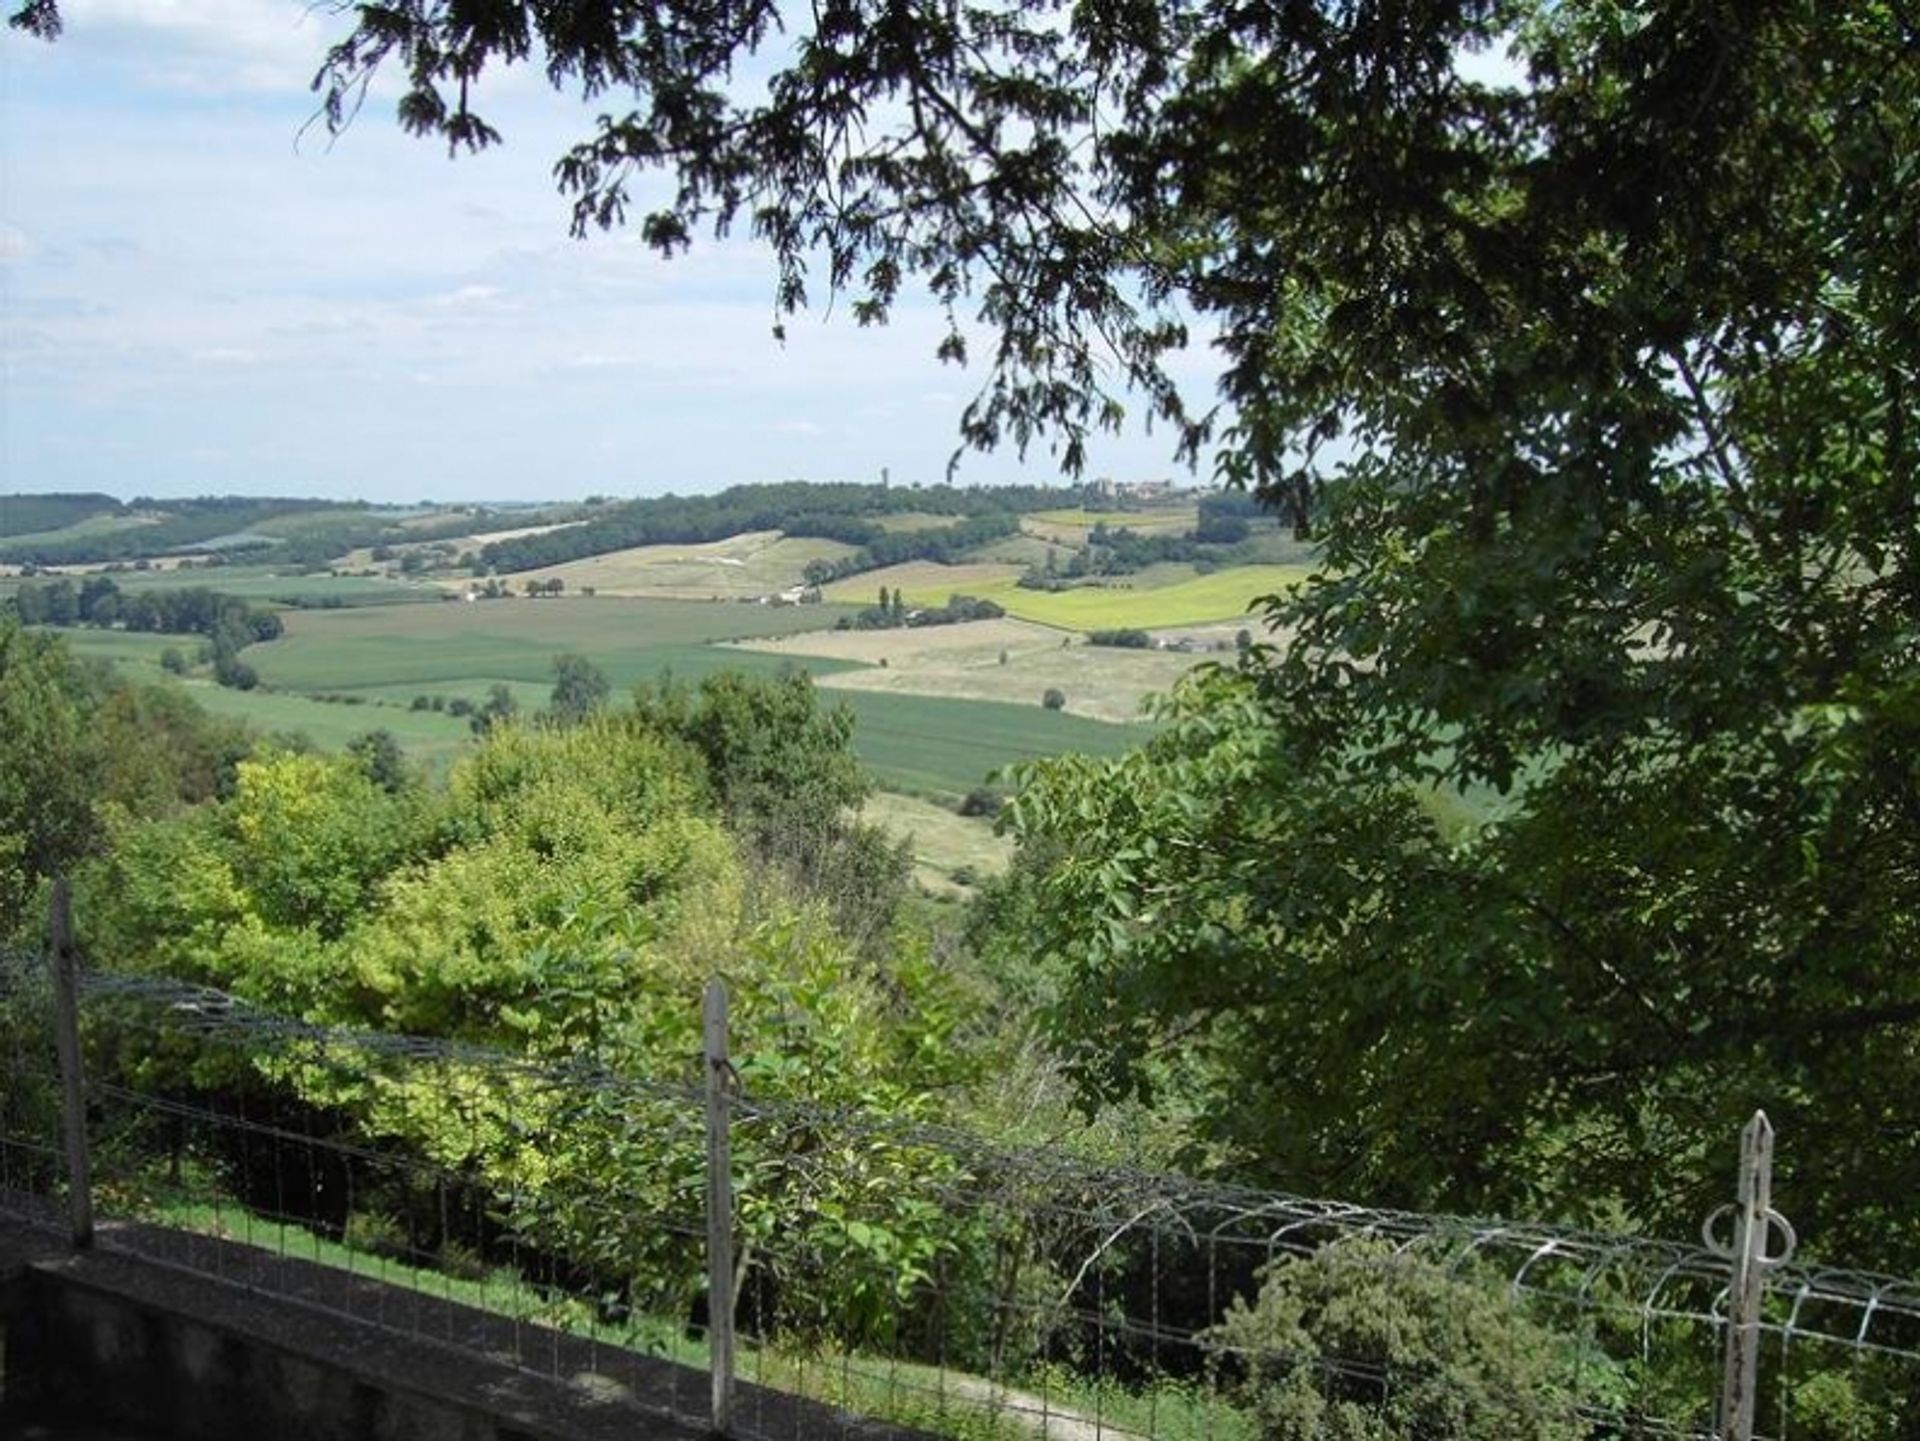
[{"x": 1357, "y": 1343}]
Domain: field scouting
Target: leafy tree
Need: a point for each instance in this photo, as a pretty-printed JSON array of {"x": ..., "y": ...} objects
[
  {"x": 579, "y": 689},
  {"x": 1355, "y": 1343},
  {"x": 1599, "y": 389},
  {"x": 381, "y": 759},
  {"x": 500, "y": 706},
  {"x": 786, "y": 776},
  {"x": 51, "y": 762}
]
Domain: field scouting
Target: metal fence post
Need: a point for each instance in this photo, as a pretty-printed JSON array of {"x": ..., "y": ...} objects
[
  {"x": 719, "y": 1209},
  {"x": 1753, "y": 1218},
  {"x": 64, "y": 961}
]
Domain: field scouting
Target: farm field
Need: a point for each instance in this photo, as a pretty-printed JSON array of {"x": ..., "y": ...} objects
[
  {"x": 1022, "y": 550},
  {"x": 940, "y": 747},
  {"x": 427, "y": 737},
  {"x": 963, "y": 662},
  {"x": 1071, "y": 526},
  {"x": 125, "y": 650},
  {"x": 754, "y": 563},
  {"x": 424, "y": 647},
  {"x": 362, "y": 558},
  {"x": 913, "y": 520},
  {"x": 926, "y": 582},
  {"x": 946, "y": 847},
  {"x": 1195, "y": 600},
  {"x": 253, "y": 583},
  {"x": 91, "y": 525}
]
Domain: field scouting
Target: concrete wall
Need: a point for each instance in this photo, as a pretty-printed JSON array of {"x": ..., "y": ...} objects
[{"x": 181, "y": 1337}]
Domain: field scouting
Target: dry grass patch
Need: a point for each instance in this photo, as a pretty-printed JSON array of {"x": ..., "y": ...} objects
[
  {"x": 950, "y": 851},
  {"x": 926, "y": 582},
  {"x": 965, "y": 662},
  {"x": 753, "y": 563}
]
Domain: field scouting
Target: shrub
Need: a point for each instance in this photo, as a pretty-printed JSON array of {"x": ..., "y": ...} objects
[
  {"x": 1123, "y": 639},
  {"x": 1357, "y": 1343},
  {"x": 1054, "y": 699},
  {"x": 981, "y": 801}
]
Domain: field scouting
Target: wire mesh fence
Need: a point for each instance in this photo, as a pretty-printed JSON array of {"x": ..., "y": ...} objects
[{"x": 557, "y": 1216}]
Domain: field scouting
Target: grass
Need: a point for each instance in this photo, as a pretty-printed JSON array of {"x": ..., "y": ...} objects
[
  {"x": 964, "y": 662},
  {"x": 933, "y": 1399},
  {"x": 430, "y": 738},
  {"x": 92, "y": 525},
  {"x": 1071, "y": 526},
  {"x": 255, "y": 582},
  {"x": 933, "y": 746},
  {"x": 947, "y": 847},
  {"x": 453, "y": 646},
  {"x": 1197, "y": 599},
  {"x": 754, "y": 563},
  {"x": 916, "y": 520},
  {"x": 926, "y": 582},
  {"x": 939, "y": 745}
]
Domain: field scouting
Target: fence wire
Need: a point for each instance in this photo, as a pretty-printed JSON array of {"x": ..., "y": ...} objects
[{"x": 553, "y": 1214}]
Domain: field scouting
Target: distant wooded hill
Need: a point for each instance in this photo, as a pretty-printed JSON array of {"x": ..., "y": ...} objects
[{"x": 845, "y": 512}]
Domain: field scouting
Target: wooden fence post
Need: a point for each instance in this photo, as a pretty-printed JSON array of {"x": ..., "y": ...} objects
[
  {"x": 1754, "y": 1220},
  {"x": 719, "y": 1208},
  {"x": 64, "y": 961}
]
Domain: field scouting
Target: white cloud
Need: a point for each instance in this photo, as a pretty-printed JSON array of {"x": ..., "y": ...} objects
[{"x": 204, "y": 46}]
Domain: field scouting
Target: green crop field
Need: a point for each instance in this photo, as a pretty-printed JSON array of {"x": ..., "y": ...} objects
[
  {"x": 136, "y": 653},
  {"x": 253, "y": 582},
  {"x": 373, "y": 661},
  {"x": 1223, "y": 596},
  {"x": 427, "y": 737},
  {"x": 443, "y": 647},
  {"x": 1071, "y": 526},
  {"x": 935, "y": 746}
]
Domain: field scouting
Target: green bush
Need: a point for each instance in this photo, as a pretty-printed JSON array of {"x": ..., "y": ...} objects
[{"x": 1355, "y": 1343}]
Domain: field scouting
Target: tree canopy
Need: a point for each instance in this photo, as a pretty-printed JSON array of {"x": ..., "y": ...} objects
[{"x": 1575, "y": 807}]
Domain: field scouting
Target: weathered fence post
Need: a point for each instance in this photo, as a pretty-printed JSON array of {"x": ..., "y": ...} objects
[
  {"x": 719, "y": 1209},
  {"x": 1753, "y": 1219},
  {"x": 64, "y": 961}
]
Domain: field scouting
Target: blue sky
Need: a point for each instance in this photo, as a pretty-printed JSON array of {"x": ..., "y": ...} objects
[{"x": 194, "y": 299}]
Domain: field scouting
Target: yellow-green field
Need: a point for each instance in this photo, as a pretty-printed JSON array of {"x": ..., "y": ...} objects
[
  {"x": 926, "y": 582},
  {"x": 1071, "y": 526},
  {"x": 951, "y": 852},
  {"x": 1223, "y": 596},
  {"x": 964, "y": 662},
  {"x": 912, "y": 520},
  {"x": 761, "y": 562}
]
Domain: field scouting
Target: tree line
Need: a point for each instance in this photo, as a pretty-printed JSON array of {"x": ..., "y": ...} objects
[
  {"x": 845, "y": 511},
  {"x": 229, "y": 623}
]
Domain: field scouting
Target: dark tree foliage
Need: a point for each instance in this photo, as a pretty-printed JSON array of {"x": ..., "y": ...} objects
[
  {"x": 1576, "y": 810},
  {"x": 579, "y": 689},
  {"x": 182, "y": 525},
  {"x": 380, "y": 757},
  {"x": 784, "y": 771},
  {"x": 31, "y": 514},
  {"x": 193, "y": 610}
]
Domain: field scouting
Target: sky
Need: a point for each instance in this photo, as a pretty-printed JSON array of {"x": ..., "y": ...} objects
[{"x": 198, "y": 298}]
